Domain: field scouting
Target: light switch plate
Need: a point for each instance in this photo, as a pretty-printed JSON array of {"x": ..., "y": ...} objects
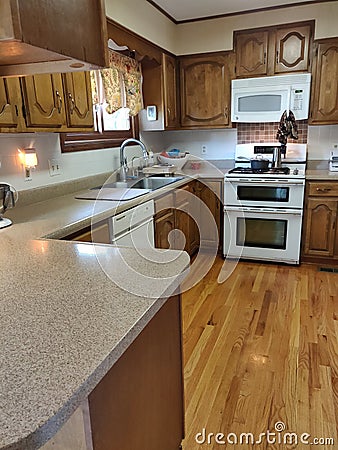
[{"x": 54, "y": 167}]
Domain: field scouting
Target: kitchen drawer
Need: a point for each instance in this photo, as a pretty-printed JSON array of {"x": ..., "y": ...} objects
[
  {"x": 164, "y": 202},
  {"x": 326, "y": 189},
  {"x": 182, "y": 195}
]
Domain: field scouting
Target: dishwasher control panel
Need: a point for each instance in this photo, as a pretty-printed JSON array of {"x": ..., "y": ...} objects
[{"x": 132, "y": 217}]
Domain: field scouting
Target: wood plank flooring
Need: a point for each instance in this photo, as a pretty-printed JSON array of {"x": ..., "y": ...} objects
[{"x": 261, "y": 348}]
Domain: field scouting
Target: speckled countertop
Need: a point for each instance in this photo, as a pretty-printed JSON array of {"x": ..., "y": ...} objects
[
  {"x": 63, "y": 322},
  {"x": 319, "y": 170}
]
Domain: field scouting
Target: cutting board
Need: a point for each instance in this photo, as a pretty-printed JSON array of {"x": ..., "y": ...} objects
[{"x": 112, "y": 194}]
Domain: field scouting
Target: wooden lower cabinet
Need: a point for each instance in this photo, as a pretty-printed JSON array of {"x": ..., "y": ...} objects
[
  {"x": 184, "y": 211},
  {"x": 320, "y": 238},
  {"x": 209, "y": 192},
  {"x": 139, "y": 404}
]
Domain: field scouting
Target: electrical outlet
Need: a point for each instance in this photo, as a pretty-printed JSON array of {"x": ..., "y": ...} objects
[
  {"x": 54, "y": 167},
  {"x": 204, "y": 149}
]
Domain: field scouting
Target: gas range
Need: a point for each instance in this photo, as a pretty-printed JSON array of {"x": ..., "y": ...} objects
[
  {"x": 293, "y": 162},
  {"x": 263, "y": 209}
]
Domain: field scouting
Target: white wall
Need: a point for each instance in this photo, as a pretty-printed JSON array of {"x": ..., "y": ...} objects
[
  {"x": 321, "y": 140},
  {"x": 73, "y": 165},
  {"x": 144, "y": 19},
  {"x": 220, "y": 143},
  {"x": 216, "y": 34}
]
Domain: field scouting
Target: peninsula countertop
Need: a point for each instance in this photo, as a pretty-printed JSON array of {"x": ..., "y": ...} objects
[{"x": 64, "y": 322}]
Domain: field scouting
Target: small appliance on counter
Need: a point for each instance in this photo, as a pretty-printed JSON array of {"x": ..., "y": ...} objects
[
  {"x": 333, "y": 163},
  {"x": 8, "y": 198}
]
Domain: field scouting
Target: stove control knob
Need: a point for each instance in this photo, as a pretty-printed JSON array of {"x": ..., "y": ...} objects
[{"x": 295, "y": 171}]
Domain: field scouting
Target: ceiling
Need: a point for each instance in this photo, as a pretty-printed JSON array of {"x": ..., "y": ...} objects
[{"x": 189, "y": 10}]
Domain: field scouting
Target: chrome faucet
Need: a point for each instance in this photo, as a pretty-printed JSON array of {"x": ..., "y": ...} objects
[{"x": 123, "y": 159}]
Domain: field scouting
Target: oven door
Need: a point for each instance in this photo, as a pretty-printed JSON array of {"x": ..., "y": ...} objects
[
  {"x": 262, "y": 234},
  {"x": 267, "y": 192}
]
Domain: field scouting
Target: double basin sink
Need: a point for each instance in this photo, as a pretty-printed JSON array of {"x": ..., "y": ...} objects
[{"x": 151, "y": 183}]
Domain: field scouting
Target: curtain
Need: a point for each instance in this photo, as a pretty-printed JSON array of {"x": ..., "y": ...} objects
[{"x": 120, "y": 85}]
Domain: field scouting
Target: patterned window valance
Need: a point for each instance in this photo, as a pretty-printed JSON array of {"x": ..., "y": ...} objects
[{"x": 120, "y": 85}]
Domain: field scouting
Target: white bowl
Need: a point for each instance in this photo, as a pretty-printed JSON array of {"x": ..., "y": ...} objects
[{"x": 178, "y": 162}]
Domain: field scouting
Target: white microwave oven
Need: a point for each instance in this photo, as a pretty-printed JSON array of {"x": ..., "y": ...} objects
[{"x": 265, "y": 99}]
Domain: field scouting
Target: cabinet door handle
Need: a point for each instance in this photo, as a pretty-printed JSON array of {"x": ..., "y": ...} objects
[
  {"x": 226, "y": 112},
  {"x": 168, "y": 110},
  {"x": 264, "y": 59},
  {"x": 323, "y": 189},
  {"x": 59, "y": 101},
  {"x": 72, "y": 103},
  {"x": 277, "y": 57}
]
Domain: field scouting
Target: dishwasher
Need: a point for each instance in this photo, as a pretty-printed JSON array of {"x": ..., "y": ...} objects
[{"x": 134, "y": 227}]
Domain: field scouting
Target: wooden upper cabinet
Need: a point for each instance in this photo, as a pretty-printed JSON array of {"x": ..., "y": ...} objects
[
  {"x": 169, "y": 70},
  {"x": 9, "y": 103},
  {"x": 251, "y": 53},
  {"x": 292, "y": 49},
  {"x": 57, "y": 102},
  {"x": 43, "y": 100},
  {"x": 79, "y": 106},
  {"x": 324, "y": 99},
  {"x": 39, "y": 36},
  {"x": 160, "y": 90},
  {"x": 205, "y": 90},
  {"x": 273, "y": 50}
]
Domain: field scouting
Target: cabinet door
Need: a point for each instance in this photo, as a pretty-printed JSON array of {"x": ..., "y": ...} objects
[
  {"x": 9, "y": 103},
  {"x": 164, "y": 224},
  {"x": 292, "y": 49},
  {"x": 208, "y": 193},
  {"x": 251, "y": 53},
  {"x": 205, "y": 90},
  {"x": 43, "y": 101},
  {"x": 183, "y": 218},
  {"x": 324, "y": 105},
  {"x": 79, "y": 100},
  {"x": 170, "y": 91},
  {"x": 320, "y": 227}
]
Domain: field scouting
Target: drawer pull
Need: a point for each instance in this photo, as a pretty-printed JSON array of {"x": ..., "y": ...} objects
[{"x": 323, "y": 189}]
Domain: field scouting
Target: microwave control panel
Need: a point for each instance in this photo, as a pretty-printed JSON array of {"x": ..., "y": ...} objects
[{"x": 297, "y": 98}]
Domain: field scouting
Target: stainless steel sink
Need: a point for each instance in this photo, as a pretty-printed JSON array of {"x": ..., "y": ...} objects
[{"x": 151, "y": 183}]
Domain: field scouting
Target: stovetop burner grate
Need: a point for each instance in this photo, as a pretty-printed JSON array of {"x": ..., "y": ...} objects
[{"x": 273, "y": 170}]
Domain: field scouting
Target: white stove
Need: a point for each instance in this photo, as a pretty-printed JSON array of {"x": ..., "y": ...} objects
[
  {"x": 293, "y": 161},
  {"x": 263, "y": 209}
]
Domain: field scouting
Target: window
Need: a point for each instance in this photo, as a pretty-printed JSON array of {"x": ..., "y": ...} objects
[{"x": 117, "y": 99}]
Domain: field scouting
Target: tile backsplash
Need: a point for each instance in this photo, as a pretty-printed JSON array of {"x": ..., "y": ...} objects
[{"x": 266, "y": 132}]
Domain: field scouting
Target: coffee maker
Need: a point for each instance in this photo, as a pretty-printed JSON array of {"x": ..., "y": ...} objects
[{"x": 8, "y": 198}]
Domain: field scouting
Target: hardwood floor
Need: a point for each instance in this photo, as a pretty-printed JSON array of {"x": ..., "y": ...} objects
[{"x": 261, "y": 348}]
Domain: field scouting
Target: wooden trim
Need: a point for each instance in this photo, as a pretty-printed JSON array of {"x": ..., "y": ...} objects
[
  {"x": 142, "y": 46},
  {"x": 238, "y": 13},
  {"x": 79, "y": 142},
  {"x": 163, "y": 11}
]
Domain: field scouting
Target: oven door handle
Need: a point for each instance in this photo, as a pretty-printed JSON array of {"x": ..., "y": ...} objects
[{"x": 290, "y": 212}]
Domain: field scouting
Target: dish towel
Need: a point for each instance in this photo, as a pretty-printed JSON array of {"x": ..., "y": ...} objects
[{"x": 287, "y": 127}]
